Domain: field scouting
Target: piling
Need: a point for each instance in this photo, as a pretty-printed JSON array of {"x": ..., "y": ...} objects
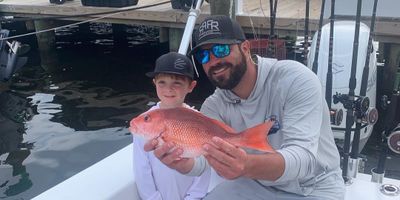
[
  {"x": 175, "y": 37},
  {"x": 223, "y": 7},
  {"x": 47, "y": 44}
]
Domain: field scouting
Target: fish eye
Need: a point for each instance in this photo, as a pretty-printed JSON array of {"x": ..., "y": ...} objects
[{"x": 146, "y": 118}]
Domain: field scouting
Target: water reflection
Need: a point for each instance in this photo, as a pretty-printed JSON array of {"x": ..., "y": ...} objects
[
  {"x": 83, "y": 106},
  {"x": 14, "y": 111},
  {"x": 55, "y": 131}
]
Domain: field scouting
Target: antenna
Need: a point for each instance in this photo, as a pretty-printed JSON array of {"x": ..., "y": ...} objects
[
  {"x": 363, "y": 112},
  {"x": 271, "y": 48},
  {"x": 348, "y": 101},
  {"x": 191, "y": 22},
  {"x": 187, "y": 34}
]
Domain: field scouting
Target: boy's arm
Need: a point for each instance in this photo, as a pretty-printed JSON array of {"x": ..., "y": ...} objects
[{"x": 143, "y": 172}]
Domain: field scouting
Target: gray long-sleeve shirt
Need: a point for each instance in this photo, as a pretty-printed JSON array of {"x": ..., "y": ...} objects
[{"x": 293, "y": 94}]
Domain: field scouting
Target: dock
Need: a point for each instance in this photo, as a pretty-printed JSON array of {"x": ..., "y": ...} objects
[{"x": 254, "y": 18}]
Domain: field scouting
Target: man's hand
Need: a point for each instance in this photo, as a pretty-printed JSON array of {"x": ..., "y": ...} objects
[
  {"x": 226, "y": 159},
  {"x": 170, "y": 156}
]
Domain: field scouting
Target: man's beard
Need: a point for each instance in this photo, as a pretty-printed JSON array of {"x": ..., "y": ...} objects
[{"x": 234, "y": 78}]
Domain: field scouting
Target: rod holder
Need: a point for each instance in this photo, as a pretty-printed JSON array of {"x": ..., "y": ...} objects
[
  {"x": 352, "y": 170},
  {"x": 376, "y": 177}
]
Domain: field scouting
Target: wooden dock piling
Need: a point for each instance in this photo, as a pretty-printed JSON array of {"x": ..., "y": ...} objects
[{"x": 47, "y": 44}]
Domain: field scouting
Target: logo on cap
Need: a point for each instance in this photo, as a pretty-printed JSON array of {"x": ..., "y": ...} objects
[
  {"x": 209, "y": 27},
  {"x": 179, "y": 64}
]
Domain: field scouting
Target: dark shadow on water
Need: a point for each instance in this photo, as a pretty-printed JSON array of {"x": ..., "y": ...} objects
[{"x": 14, "y": 111}]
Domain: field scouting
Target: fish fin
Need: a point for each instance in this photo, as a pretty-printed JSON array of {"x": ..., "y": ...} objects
[{"x": 256, "y": 137}]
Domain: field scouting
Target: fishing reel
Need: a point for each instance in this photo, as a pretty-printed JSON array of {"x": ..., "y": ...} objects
[
  {"x": 360, "y": 105},
  {"x": 393, "y": 140}
]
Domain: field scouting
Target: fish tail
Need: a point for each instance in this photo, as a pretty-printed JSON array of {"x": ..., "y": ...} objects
[{"x": 256, "y": 137}]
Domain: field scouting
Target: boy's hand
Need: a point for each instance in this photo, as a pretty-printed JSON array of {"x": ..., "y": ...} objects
[{"x": 170, "y": 156}]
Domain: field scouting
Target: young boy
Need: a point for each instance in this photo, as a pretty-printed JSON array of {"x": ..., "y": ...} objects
[{"x": 173, "y": 78}]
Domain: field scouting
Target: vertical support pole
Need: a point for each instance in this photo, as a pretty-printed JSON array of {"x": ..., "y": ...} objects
[
  {"x": 175, "y": 36},
  {"x": 47, "y": 44},
  {"x": 163, "y": 40},
  {"x": 239, "y": 7},
  {"x": 164, "y": 34},
  {"x": 30, "y": 26},
  {"x": 223, "y": 7}
]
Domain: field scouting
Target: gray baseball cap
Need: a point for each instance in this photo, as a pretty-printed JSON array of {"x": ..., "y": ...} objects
[
  {"x": 218, "y": 29},
  {"x": 173, "y": 63}
]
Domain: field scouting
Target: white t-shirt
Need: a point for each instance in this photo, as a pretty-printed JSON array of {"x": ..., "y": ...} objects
[{"x": 155, "y": 181}]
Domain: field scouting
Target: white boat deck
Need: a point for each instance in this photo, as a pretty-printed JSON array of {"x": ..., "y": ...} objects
[{"x": 112, "y": 179}]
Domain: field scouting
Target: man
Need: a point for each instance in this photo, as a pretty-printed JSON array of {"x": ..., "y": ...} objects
[{"x": 306, "y": 163}]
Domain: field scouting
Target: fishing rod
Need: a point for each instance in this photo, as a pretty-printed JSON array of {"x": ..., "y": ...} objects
[
  {"x": 364, "y": 83},
  {"x": 306, "y": 23},
  {"x": 321, "y": 19},
  {"x": 272, "y": 6},
  {"x": 348, "y": 101},
  {"x": 328, "y": 91},
  {"x": 336, "y": 115}
]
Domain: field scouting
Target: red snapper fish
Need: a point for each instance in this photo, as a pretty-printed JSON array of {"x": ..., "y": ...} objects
[{"x": 190, "y": 129}]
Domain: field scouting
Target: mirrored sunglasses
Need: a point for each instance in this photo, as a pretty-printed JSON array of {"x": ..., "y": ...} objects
[{"x": 218, "y": 50}]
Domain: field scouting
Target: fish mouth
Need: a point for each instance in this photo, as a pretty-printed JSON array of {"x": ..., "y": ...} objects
[
  {"x": 133, "y": 128},
  {"x": 160, "y": 135}
]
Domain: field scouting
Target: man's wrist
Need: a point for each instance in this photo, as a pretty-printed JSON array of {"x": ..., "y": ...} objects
[{"x": 198, "y": 167}]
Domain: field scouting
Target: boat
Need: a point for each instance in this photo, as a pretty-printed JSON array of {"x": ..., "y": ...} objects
[
  {"x": 10, "y": 56},
  {"x": 113, "y": 178}
]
